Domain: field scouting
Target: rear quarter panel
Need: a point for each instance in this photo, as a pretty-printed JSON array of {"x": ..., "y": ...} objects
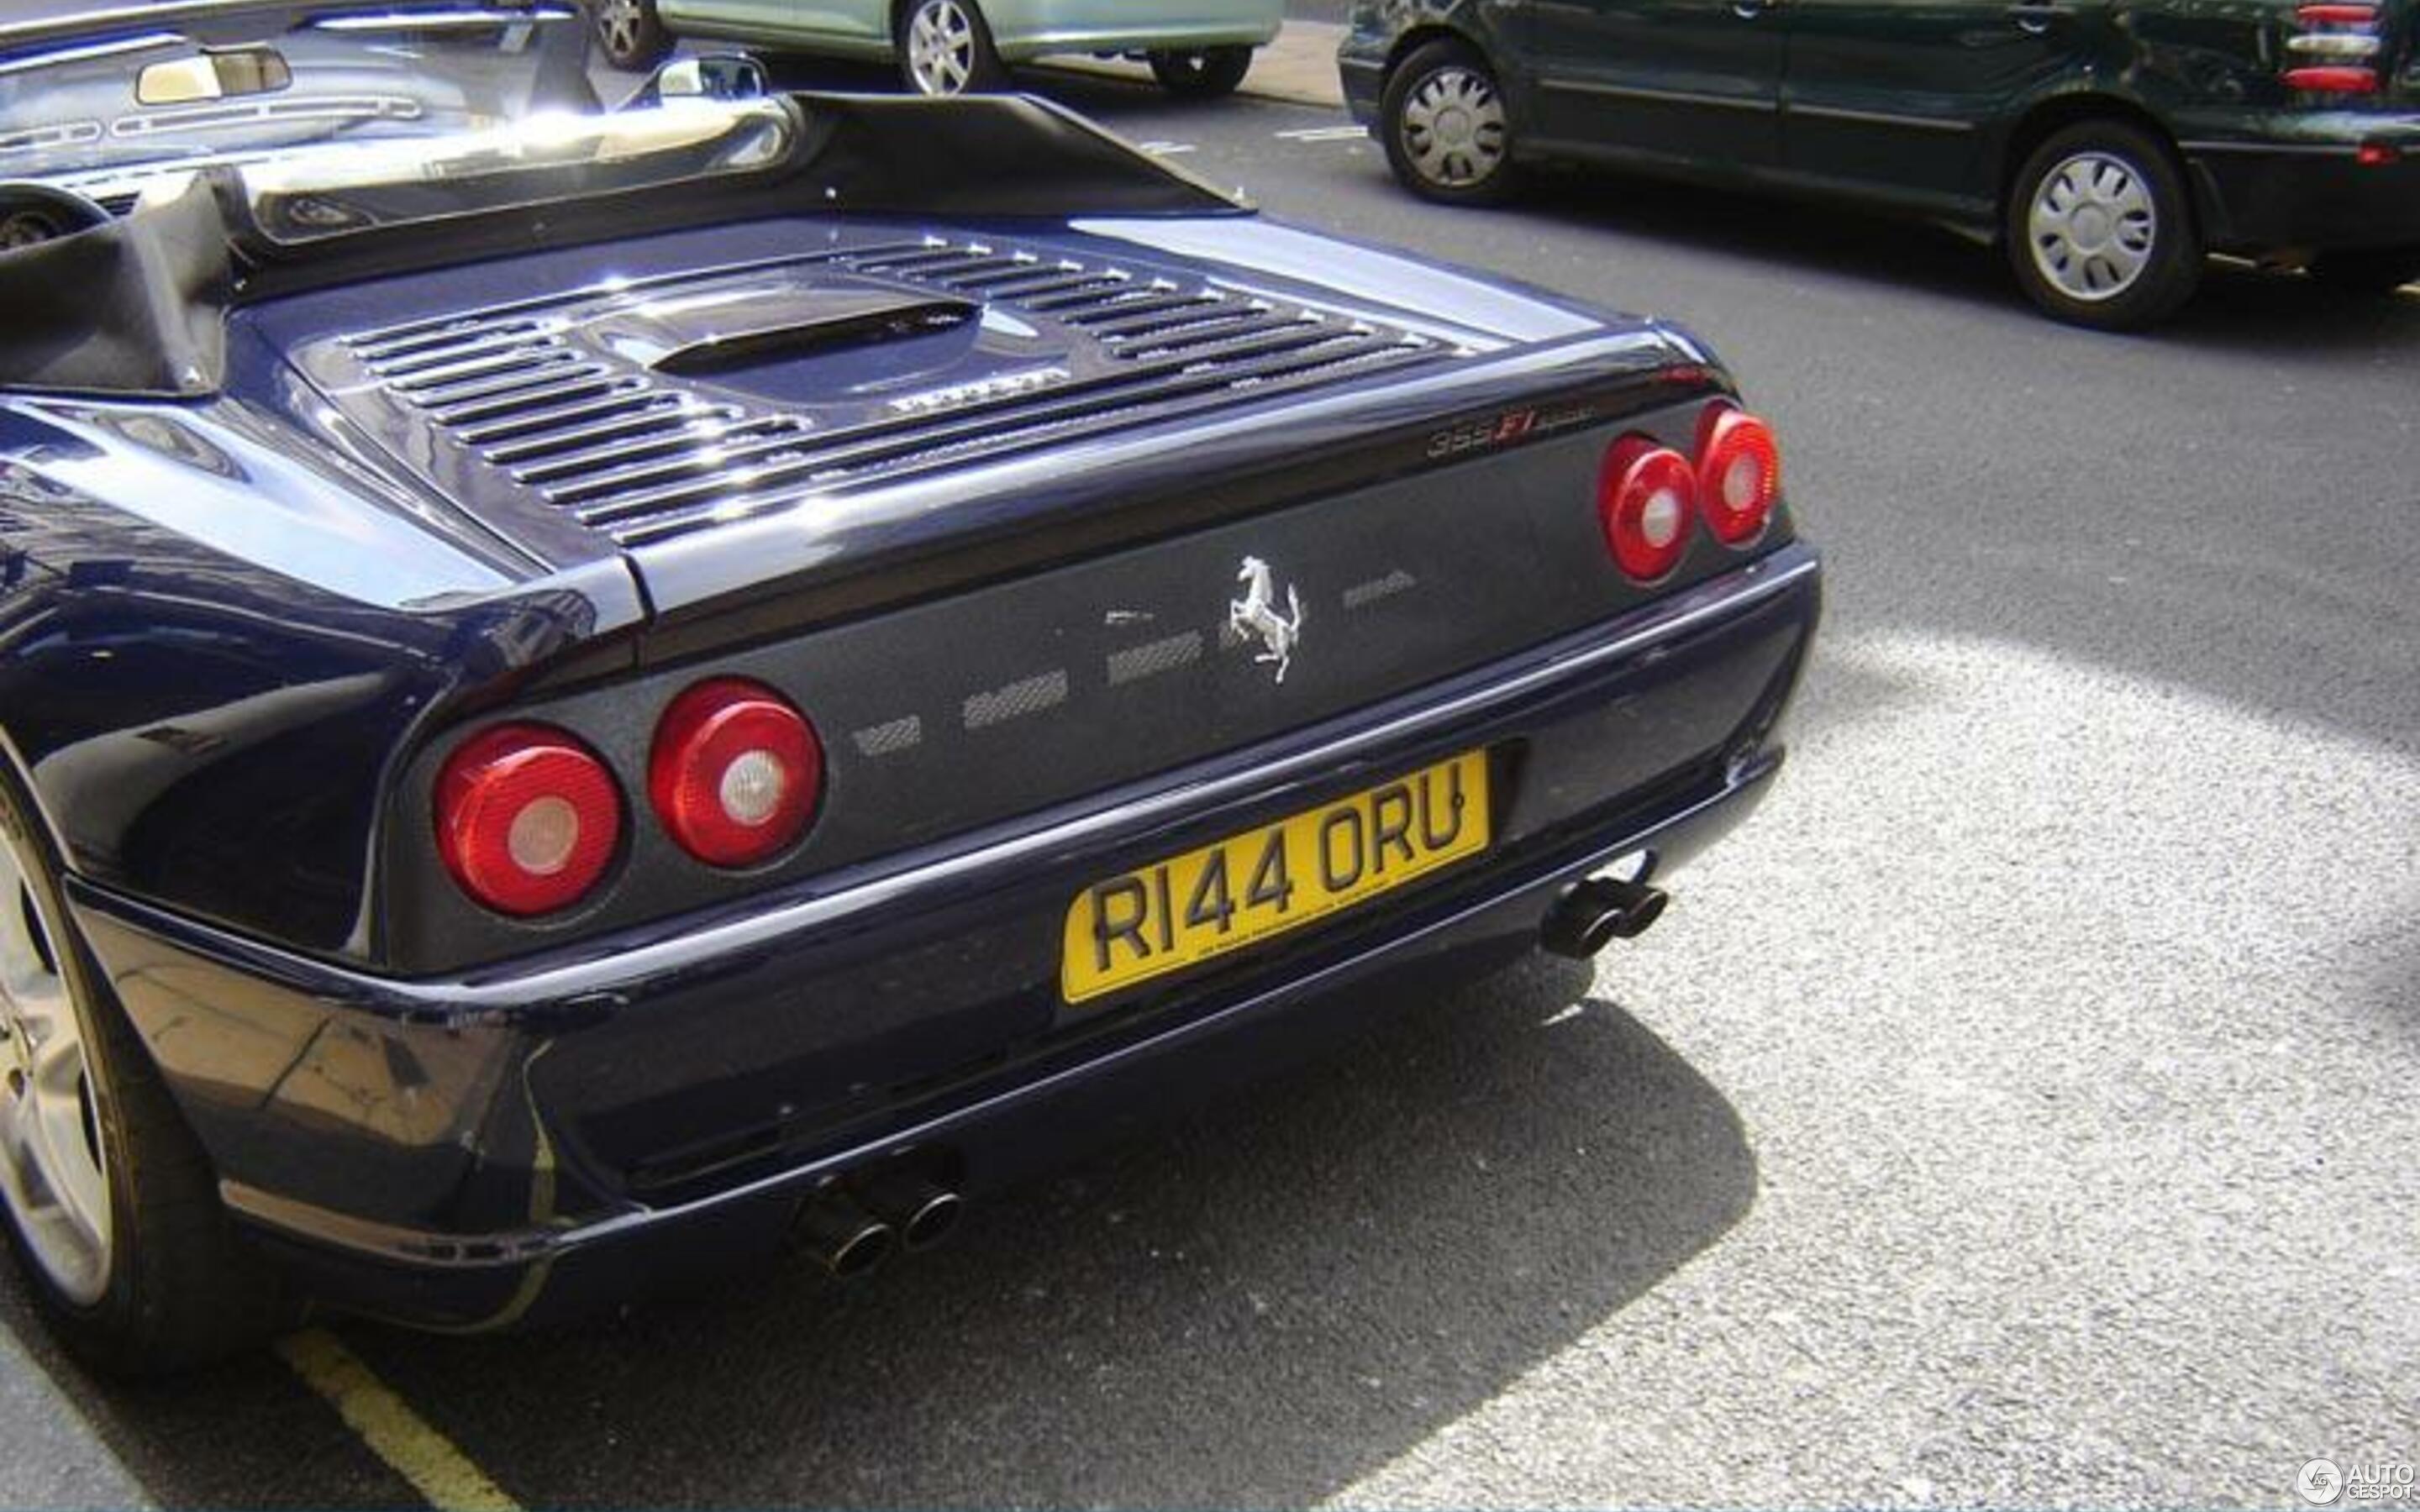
[{"x": 212, "y": 643}]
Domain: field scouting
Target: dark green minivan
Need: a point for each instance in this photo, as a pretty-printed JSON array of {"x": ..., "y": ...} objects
[{"x": 2106, "y": 144}]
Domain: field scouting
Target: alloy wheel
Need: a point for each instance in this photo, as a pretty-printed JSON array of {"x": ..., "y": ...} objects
[
  {"x": 1453, "y": 128},
  {"x": 621, "y": 24},
  {"x": 52, "y": 1173},
  {"x": 2092, "y": 226},
  {"x": 941, "y": 48}
]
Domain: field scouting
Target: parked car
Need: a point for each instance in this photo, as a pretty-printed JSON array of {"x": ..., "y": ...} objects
[
  {"x": 1199, "y": 49},
  {"x": 2106, "y": 144},
  {"x": 584, "y": 700}
]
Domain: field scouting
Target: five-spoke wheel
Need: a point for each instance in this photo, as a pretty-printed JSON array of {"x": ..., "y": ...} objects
[
  {"x": 53, "y": 1175},
  {"x": 946, "y": 49},
  {"x": 110, "y": 1203}
]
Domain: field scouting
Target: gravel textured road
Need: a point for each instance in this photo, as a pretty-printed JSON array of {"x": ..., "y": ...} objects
[{"x": 2019, "y": 1112}]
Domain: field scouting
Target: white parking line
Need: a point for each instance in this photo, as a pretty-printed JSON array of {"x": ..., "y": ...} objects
[
  {"x": 1326, "y": 134},
  {"x": 1166, "y": 150}
]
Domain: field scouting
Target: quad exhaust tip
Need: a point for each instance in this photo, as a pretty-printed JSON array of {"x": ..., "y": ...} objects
[
  {"x": 920, "y": 1211},
  {"x": 1598, "y": 911},
  {"x": 839, "y": 1235}
]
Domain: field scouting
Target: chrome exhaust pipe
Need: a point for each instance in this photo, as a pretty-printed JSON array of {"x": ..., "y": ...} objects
[
  {"x": 839, "y": 1235},
  {"x": 921, "y": 1210},
  {"x": 1598, "y": 911}
]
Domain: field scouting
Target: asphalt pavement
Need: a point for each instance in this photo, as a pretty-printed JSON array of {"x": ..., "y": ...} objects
[{"x": 2018, "y": 1112}]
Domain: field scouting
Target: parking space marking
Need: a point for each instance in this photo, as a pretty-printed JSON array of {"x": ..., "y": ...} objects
[
  {"x": 437, "y": 1470},
  {"x": 1166, "y": 150},
  {"x": 1326, "y": 134}
]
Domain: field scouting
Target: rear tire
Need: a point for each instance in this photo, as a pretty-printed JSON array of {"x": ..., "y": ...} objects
[
  {"x": 112, "y": 1208},
  {"x": 2383, "y": 271},
  {"x": 1207, "y": 74},
  {"x": 945, "y": 49},
  {"x": 2100, "y": 232},
  {"x": 629, "y": 33},
  {"x": 1444, "y": 124}
]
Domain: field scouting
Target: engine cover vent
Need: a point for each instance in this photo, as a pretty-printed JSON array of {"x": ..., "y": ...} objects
[{"x": 669, "y": 404}]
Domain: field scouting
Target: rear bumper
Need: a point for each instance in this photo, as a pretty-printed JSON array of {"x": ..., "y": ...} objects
[
  {"x": 2307, "y": 189},
  {"x": 1361, "y": 66},
  {"x": 548, "y": 1135},
  {"x": 1363, "y": 80}
]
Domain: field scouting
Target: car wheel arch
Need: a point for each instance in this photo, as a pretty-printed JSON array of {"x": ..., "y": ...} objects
[
  {"x": 1509, "y": 79},
  {"x": 2046, "y": 118}
]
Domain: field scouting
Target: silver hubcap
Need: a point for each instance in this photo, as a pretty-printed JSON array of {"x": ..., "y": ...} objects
[
  {"x": 941, "y": 48},
  {"x": 2092, "y": 226},
  {"x": 51, "y": 1172},
  {"x": 617, "y": 22},
  {"x": 1453, "y": 128}
]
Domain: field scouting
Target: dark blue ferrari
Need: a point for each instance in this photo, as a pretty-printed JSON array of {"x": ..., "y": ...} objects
[{"x": 589, "y": 696}]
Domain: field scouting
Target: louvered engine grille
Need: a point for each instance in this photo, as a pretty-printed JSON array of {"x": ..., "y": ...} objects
[{"x": 644, "y": 456}]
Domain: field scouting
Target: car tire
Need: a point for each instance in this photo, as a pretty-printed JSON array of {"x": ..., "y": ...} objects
[
  {"x": 2099, "y": 228},
  {"x": 1446, "y": 131},
  {"x": 629, "y": 33},
  {"x": 2383, "y": 271},
  {"x": 110, "y": 1204},
  {"x": 946, "y": 49},
  {"x": 1204, "y": 73}
]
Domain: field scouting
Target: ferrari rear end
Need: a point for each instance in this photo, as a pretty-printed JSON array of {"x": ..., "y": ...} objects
[
  {"x": 1059, "y": 651},
  {"x": 1164, "y": 643}
]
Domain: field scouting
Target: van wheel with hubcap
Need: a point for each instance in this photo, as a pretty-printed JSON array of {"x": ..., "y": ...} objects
[
  {"x": 630, "y": 34},
  {"x": 946, "y": 49},
  {"x": 2098, "y": 230},
  {"x": 1443, "y": 121},
  {"x": 112, "y": 1206}
]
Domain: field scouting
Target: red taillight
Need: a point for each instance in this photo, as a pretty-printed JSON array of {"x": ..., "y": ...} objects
[
  {"x": 2333, "y": 48},
  {"x": 736, "y": 772},
  {"x": 527, "y": 820},
  {"x": 2334, "y": 81},
  {"x": 1739, "y": 473},
  {"x": 1646, "y": 496}
]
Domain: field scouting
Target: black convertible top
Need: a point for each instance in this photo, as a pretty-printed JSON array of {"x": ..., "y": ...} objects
[{"x": 148, "y": 310}]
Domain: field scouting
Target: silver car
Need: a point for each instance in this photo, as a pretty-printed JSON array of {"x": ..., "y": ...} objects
[{"x": 1198, "y": 48}]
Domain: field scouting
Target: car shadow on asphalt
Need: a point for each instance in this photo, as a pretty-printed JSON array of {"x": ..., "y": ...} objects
[{"x": 1251, "y": 1304}]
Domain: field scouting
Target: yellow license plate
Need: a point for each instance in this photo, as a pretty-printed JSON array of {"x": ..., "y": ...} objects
[{"x": 1199, "y": 905}]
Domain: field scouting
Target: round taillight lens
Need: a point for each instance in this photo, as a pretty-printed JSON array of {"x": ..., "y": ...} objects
[
  {"x": 736, "y": 772},
  {"x": 527, "y": 819},
  {"x": 1739, "y": 473},
  {"x": 1646, "y": 496}
]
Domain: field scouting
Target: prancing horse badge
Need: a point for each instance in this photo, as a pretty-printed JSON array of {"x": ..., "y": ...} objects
[{"x": 1255, "y": 616}]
